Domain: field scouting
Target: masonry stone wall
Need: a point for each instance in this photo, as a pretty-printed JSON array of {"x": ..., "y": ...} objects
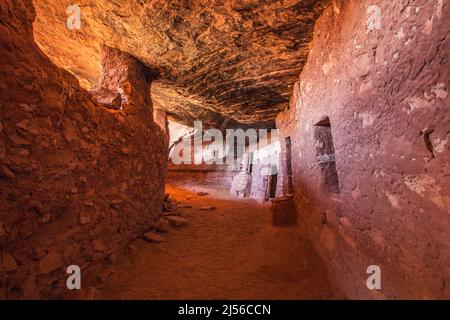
[
  {"x": 376, "y": 83},
  {"x": 78, "y": 180}
]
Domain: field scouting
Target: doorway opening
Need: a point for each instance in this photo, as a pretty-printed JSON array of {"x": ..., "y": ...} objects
[{"x": 270, "y": 181}]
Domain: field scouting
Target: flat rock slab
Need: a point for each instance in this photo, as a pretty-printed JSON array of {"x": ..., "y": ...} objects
[
  {"x": 153, "y": 237},
  {"x": 175, "y": 221}
]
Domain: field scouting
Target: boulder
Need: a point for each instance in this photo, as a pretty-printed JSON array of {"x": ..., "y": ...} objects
[{"x": 111, "y": 99}]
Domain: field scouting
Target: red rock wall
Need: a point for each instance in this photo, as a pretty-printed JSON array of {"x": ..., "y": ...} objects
[
  {"x": 77, "y": 180},
  {"x": 192, "y": 178},
  {"x": 385, "y": 92},
  {"x": 191, "y": 175}
]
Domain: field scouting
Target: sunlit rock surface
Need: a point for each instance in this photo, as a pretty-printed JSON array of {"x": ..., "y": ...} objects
[{"x": 223, "y": 61}]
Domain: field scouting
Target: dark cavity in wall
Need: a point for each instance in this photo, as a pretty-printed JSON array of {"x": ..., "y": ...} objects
[
  {"x": 273, "y": 185},
  {"x": 427, "y": 138},
  {"x": 288, "y": 166},
  {"x": 325, "y": 154}
]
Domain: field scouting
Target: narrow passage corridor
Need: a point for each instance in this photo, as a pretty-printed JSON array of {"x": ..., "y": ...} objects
[{"x": 231, "y": 252}]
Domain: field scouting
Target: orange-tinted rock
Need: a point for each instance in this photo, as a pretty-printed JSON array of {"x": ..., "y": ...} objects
[
  {"x": 99, "y": 246},
  {"x": 108, "y": 98},
  {"x": 8, "y": 262},
  {"x": 220, "y": 61},
  {"x": 162, "y": 225},
  {"x": 153, "y": 237},
  {"x": 175, "y": 221},
  {"x": 62, "y": 158},
  {"x": 51, "y": 262}
]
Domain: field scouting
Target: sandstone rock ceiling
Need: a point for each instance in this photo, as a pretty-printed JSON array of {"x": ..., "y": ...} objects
[{"x": 227, "y": 62}]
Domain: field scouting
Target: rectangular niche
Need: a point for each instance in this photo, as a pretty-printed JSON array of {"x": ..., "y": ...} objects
[{"x": 325, "y": 155}]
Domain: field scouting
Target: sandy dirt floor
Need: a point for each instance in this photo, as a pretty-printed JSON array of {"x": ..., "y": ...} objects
[{"x": 232, "y": 252}]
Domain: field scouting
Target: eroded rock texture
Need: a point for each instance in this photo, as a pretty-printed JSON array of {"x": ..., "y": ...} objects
[
  {"x": 376, "y": 84},
  {"x": 77, "y": 180},
  {"x": 221, "y": 61}
]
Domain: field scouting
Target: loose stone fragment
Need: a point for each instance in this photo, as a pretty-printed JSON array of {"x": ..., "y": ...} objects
[
  {"x": 8, "y": 262},
  {"x": 50, "y": 262},
  {"x": 153, "y": 237},
  {"x": 176, "y": 221}
]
